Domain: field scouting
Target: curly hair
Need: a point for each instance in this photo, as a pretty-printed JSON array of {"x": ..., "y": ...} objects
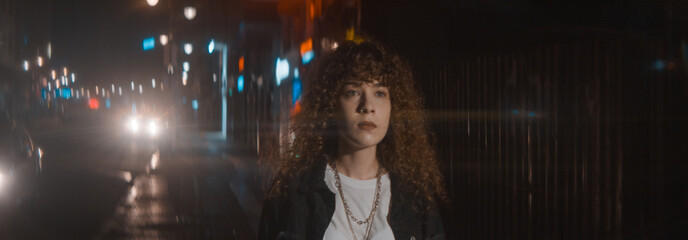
[{"x": 405, "y": 151}]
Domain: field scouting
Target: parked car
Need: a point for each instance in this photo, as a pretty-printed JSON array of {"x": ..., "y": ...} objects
[{"x": 21, "y": 163}]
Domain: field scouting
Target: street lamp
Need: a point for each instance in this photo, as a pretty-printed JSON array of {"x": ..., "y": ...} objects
[
  {"x": 190, "y": 12},
  {"x": 163, "y": 39},
  {"x": 188, "y": 48},
  {"x": 152, "y": 2}
]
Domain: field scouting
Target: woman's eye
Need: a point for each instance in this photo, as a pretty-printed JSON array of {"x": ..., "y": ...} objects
[
  {"x": 351, "y": 93},
  {"x": 381, "y": 94}
]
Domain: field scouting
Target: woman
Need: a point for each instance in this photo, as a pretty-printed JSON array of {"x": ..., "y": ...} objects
[{"x": 360, "y": 165}]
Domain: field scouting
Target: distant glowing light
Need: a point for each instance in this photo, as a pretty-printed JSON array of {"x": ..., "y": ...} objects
[
  {"x": 306, "y": 50},
  {"x": 140, "y": 89},
  {"x": 132, "y": 86},
  {"x": 53, "y": 74},
  {"x": 113, "y": 88},
  {"x": 103, "y": 92},
  {"x": 194, "y": 104},
  {"x": 659, "y": 65},
  {"x": 120, "y": 91},
  {"x": 97, "y": 91},
  {"x": 211, "y": 46},
  {"x": 185, "y": 78},
  {"x": 240, "y": 83},
  {"x": 307, "y": 57},
  {"x": 190, "y": 12},
  {"x": 64, "y": 70},
  {"x": 296, "y": 72},
  {"x": 163, "y": 39},
  {"x": 148, "y": 43},
  {"x": 57, "y": 83},
  {"x": 49, "y": 86},
  {"x": 296, "y": 89},
  {"x": 107, "y": 103},
  {"x": 514, "y": 111},
  {"x": 153, "y": 82},
  {"x": 152, "y": 2},
  {"x": 73, "y": 77},
  {"x": 188, "y": 48},
  {"x": 40, "y": 61},
  {"x": 185, "y": 66},
  {"x": 241, "y": 64},
  {"x": 88, "y": 93},
  {"x": 77, "y": 94},
  {"x": 50, "y": 50},
  {"x": 531, "y": 114},
  {"x": 26, "y": 65},
  {"x": 93, "y": 103},
  {"x": 281, "y": 70}
]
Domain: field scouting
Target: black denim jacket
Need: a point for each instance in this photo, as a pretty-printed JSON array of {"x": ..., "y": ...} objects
[{"x": 306, "y": 208}]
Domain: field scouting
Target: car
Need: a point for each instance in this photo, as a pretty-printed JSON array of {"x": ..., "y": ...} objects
[{"x": 21, "y": 163}]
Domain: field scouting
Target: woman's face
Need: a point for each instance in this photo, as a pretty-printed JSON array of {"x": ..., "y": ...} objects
[{"x": 365, "y": 109}]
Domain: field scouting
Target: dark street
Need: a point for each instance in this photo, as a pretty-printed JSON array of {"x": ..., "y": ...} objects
[{"x": 97, "y": 187}]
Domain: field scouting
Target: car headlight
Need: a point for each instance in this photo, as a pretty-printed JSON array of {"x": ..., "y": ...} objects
[
  {"x": 3, "y": 180},
  {"x": 153, "y": 128},
  {"x": 133, "y": 125}
]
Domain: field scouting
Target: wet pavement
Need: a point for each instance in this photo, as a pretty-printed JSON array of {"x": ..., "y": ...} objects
[{"x": 96, "y": 187}]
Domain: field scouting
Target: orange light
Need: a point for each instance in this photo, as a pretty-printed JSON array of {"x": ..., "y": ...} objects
[
  {"x": 312, "y": 8},
  {"x": 306, "y": 46},
  {"x": 241, "y": 64},
  {"x": 93, "y": 103},
  {"x": 296, "y": 109}
]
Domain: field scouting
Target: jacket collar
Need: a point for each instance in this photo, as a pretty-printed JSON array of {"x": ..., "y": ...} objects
[{"x": 314, "y": 179}]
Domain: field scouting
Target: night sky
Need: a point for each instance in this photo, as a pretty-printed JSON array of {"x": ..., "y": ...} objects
[{"x": 101, "y": 40}]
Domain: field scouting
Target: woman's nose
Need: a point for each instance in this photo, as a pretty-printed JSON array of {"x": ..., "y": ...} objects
[{"x": 365, "y": 105}]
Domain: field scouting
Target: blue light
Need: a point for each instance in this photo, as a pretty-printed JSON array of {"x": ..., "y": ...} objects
[
  {"x": 211, "y": 46},
  {"x": 107, "y": 103},
  {"x": 44, "y": 94},
  {"x": 531, "y": 114},
  {"x": 307, "y": 57},
  {"x": 659, "y": 65},
  {"x": 296, "y": 90},
  {"x": 148, "y": 43},
  {"x": 514, "y": 111},
  {"x": 66, "y": 93},
  {"x": 194, "y": 104},
  {"x": 240, "y": 83}
]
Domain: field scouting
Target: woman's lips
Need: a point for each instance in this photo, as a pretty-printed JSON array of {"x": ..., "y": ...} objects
[{"x": 367, "y": 125}]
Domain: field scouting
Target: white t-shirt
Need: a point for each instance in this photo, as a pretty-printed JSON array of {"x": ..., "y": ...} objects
[{"x": 359, "y": 194}]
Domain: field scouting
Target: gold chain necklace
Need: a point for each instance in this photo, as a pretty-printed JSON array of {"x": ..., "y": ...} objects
[{"x": 350, "y": 216}]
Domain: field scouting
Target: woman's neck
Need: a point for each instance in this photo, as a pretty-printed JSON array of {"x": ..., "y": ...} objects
[{"x": 360, "y": 164}]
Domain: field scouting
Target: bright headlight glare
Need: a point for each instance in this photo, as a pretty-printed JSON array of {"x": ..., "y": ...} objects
[
  {"x": 133, "y": 125},
  {"x": 3, "y": 180},
  {"x": 152, "y": 127}
]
